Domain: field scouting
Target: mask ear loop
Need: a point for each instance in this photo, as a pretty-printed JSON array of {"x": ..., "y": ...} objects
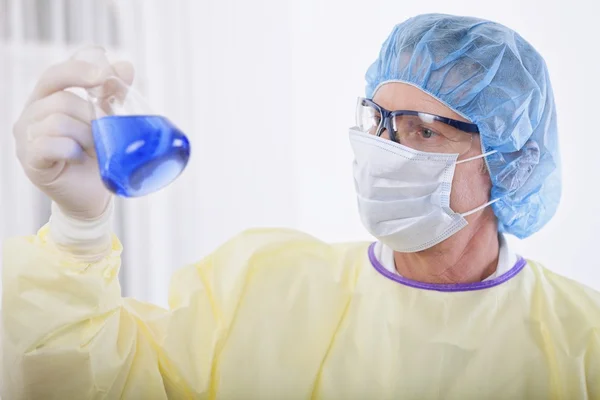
[
  {"x": 478, "y": 156},
  {"x": 489, "y": 203},
  {"x": 481, "y": 207}
]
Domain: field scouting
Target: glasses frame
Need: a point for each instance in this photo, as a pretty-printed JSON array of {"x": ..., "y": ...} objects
[{"x": 388, "y": 116}]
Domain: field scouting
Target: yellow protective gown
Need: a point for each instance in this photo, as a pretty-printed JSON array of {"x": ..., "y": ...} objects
[{"x": 277, "y": 314}]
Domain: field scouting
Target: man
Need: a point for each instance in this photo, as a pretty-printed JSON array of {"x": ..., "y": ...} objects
[{"x": 455, "y": 144}]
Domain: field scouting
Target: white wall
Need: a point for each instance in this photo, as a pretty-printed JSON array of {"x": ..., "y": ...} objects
[{"x": 266, "y": 91}]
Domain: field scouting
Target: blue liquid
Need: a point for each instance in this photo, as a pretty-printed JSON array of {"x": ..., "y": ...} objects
[{"x": 139, "y": 154}]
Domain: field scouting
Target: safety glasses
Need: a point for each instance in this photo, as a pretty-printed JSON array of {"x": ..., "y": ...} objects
[{"x": 415, "y": 129}]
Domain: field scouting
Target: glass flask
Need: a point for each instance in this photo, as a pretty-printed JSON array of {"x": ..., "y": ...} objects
[{"x": 138, "y": 151}]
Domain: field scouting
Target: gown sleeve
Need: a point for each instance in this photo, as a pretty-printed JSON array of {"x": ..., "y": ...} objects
[{"x": 69, "y": 334}]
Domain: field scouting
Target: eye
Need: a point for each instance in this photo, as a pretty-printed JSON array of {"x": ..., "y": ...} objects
[{"x": 427, "y": 133}]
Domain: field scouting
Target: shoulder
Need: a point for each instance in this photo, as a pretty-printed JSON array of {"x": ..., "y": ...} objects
[
  {"x": 255, "y": 240},
  {"x": 571, "y": 315},
  {"x": 274, "y": 259},
  {"x": 571, "y": 301},
  {"x": 280, "y": 244}
]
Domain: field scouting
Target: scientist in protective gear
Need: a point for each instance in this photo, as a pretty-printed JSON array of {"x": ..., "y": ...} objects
[{"x": 455, "y": 145}]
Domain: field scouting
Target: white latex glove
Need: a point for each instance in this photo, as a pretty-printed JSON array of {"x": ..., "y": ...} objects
[{"x": 56, "y": 149}]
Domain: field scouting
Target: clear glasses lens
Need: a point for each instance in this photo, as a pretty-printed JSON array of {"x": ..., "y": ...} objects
[
  {"x": 420, "y": 132},
  {"x": 367, "y": 117},
  {"x": 423, "y": 133}
]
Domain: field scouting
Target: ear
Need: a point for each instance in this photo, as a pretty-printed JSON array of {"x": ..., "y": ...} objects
[{"x": 483, "y": 170}]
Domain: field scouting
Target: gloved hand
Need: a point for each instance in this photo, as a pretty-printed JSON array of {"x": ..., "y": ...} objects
[
  {"x": 56, "y": 149},
  {"x": 54, "y": 138}
]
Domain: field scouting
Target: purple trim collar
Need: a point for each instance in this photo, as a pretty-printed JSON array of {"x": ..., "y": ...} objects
[{"x": 442, "y": 287}]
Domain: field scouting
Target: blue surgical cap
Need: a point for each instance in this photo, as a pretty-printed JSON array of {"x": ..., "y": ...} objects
[{"x": 490, "y": 75}]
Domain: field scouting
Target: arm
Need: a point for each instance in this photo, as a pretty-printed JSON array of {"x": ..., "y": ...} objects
[{"x": 68, "y": 333}]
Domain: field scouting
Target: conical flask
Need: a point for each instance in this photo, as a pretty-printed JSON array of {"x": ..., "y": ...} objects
[{"x": 138, "y": 151}]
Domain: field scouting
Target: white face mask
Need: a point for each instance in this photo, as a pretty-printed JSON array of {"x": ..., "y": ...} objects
[{"x": 404, "y": 194}]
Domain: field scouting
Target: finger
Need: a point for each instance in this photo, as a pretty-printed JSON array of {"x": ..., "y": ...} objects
[
  {"x": 71, "y": 73},
  {"x": 61, "y": 125},
  {"x": 61, "y": 102},
  {"x": 45, "y": 151},
  {"x": 125, "y": 71}
]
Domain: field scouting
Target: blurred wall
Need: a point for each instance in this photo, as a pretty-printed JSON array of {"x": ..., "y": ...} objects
[{"x": 266, "y": 91}]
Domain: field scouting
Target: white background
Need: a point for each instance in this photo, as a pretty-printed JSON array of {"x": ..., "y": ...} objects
[{"x": 266, "y": 91}]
